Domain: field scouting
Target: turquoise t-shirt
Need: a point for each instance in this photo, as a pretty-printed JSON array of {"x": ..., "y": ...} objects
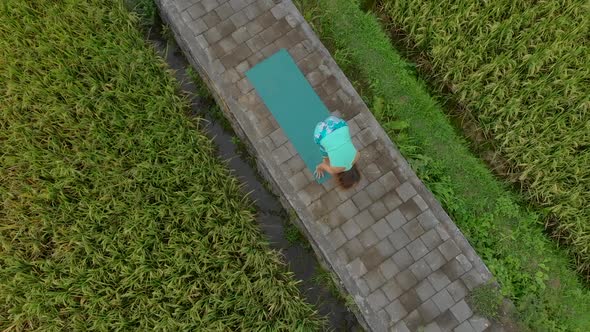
[{"x": 339, "y": 147}]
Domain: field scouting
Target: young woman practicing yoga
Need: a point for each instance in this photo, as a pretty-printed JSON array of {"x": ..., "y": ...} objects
[{"x": 340, "y": 155}]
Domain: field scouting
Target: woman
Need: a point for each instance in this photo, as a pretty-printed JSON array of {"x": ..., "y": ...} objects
[{"x": 340, "y": 155}]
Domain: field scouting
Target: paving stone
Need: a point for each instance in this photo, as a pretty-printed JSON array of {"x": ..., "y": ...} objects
[
  {"x": 266, "y": 19},
  {"x": 461, "y": 311},
  {"x": 211, "y": 19},
  {"x": 406, "y": 279},
  {"x": 392, "y": 289},
  {"x": 298, "y": 181},
  {"x": 243, "y": 66},
  {"x": 431, "y": 239},
  {"x": 238, "y": 5},
  {"x": 298, "y": 52},
  {"x": 442, "y": 232},
  {"x": 278, "y": 137},
  {"x": 403, "y": 259},
  {"x": 443, "y": 300},
  {"x": 252, "y": 11},
  {"x": 420, "y": 203},
  {"x": 362, "y": 199},
  {"x": 254, "y": 28},
  {"x": 351, "y": 229},
  {"x": 364, "y": 219},
  {"x": 382, "y": 229},
  {"x": 435, "y": 259},
  {"x": 458, "y": 290},
  {"x": 244, "y": 86},
  {"x": 378, "y": 210},
  {"x": 425, "y": 290},
  {"x": 428, "y": 311},
  {"x": 354, "y": 248},
  {"x": 396, "y": 311},
  {"x": 348, "y": 209},
  {"x": 432, "y": 327},
  {"x": 417, "y": 249},
  {"x": 224, "y": 11},
  {"x": 392, "y": 201},
  {"x": 371, "y": 258},
  {"x": 410, "y": 300},
  {"x": 357, "y": 268},
  {"x": 336, "y": 238},
  {"x": 449, "y": 249},
  {"x": 438, "y": 280},
  {"x": 281, "y": 155},
  {"x": 409, "y": 209},
  {"x": 209, "y": 5},
  {"x": 389, "y": 181},
  {"x": 362, "y": 286},
  {"x": 376, "y": 190},
  {"x": 311, "y": 193},
  {"x": 196, "y": 11},
  {"x": 472, "y": 279},
  {"x": 406, "y": 191},
  {"x": 396, "y": 219},
  {"x": 278, "y": 11},
  {"x": 239, "y": 19},
  {"x": 237, "y": 57},
  {"x": 388, "y": 268},
  {"x": 446, "y": 321},
  {"x": 330, "y": 201},
  {"x": 383, "y": 315},
  {"x": 464, "y": 327},
  {"x": 296, "y": 164},
  {"x": 453, "y": 269},
  {"x": 414, "y": 321},
  {"x": 198, "y": 27},
  {"x": 368, "y": 238},
  {"x": 374, "y": 279},
  {"x": 420, "y": 269},
  {"x": 399, "y": 239},
  {"x": 271, "y": 33},
  {"x": 479, "y": 323},
  {"x": 377, "y": 300},
  {"x": 385, "y": 248},
  {"x": 400, "y": 327},
  {"x": 241, "y": 35},
  {"x": 465, "y": 263},
  {"x": 413, "y": 229},
  {"x": 367, "y": 136}
]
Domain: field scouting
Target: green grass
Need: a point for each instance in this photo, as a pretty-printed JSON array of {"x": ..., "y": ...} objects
[
  {"x": 115, "y": 213},
  {"x": 520, "y": 72},
  {"x": 533, "y": 273},
  {"x": 486, "y": 300}
]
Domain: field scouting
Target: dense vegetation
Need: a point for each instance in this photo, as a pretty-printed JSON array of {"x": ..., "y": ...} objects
[
  {"x": 114, "y": 212},
  {"x": 520, "y": 70},
  {"x": 532, "y": 271}
]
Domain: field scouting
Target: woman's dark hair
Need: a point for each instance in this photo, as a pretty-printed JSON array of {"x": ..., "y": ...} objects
[{"x": 349, "y": 178}]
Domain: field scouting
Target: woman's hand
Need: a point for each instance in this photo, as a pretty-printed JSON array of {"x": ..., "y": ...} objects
[{"x": 319, "y": 171}]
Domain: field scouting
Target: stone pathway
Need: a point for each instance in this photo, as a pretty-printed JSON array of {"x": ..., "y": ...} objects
[{"x": 393, "y": 247}]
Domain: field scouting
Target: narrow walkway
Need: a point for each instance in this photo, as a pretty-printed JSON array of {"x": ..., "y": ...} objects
[{"x": 393, "y": 247}]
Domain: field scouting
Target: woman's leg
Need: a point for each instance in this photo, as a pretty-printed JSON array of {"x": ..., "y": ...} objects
[{"x": 318, "y": 134}]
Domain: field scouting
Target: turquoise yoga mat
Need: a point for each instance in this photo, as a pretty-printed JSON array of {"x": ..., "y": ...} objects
[{"x": 293, "y": 102}]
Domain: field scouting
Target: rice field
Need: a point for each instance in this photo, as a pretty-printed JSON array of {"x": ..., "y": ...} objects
[
  {"x": 521, "y": 70},
  {"x": 114, "y": 213}
]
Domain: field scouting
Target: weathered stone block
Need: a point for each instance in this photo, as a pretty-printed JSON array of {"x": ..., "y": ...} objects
[
  {"x": 403, "y": 259},
  {"x": 443, "y": 300},
  {"x": 406, "y": 191},
  {"x": 396, "y": 311},
  {"x": 388, "y": 268},
  {"x": 382, "y": 229},
  {"x": 374, "y": 279},
  {"x": 413, "y": 229},
  {"x": 396, "y": 219},
  {"x": 425, "y": 290}
]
